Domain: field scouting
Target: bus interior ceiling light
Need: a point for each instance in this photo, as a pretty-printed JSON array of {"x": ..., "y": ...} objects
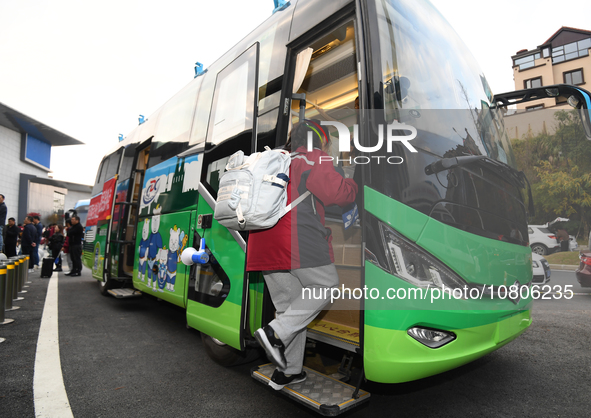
[
  {"x": 430, "y": 337},
  {"x": 414, "y": 265}
]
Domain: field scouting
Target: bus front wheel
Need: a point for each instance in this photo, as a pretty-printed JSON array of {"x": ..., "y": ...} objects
[{"x": 225, "y": 355}]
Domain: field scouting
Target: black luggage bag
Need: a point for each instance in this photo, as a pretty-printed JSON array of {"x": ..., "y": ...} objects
[{"x": 47, "y": 267}]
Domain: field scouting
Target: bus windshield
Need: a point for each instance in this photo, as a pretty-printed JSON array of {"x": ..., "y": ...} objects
[
  {"x": 463, "y": 171},
  {"x": 427, "y": 71}
]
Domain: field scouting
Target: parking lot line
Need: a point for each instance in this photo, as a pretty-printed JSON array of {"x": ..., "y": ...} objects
[{"x": 51, "y": 399}]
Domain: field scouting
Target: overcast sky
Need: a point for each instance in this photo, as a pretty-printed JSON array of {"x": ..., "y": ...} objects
[{"x": 88, "y": 69}]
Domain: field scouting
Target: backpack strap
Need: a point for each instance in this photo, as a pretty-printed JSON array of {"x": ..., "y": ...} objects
[
  {"x": 300, "y": 199},
  {"x": 297, "y": 201}
]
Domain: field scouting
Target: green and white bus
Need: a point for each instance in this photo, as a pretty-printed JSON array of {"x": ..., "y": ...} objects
[{"x": 450, "y": 216}]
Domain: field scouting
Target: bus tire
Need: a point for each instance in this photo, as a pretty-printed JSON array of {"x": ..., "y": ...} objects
[
  {"x": 105, "y": 285},
  {"x": 225, "y": 355}
]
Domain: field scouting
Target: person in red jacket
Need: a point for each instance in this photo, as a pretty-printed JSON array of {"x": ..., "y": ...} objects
[{"x": 296, "y": 253}]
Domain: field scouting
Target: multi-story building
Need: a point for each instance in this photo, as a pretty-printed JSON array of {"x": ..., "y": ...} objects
[
  {"x": 25, "y": 154},
  {"x": 563, "y": 59}
]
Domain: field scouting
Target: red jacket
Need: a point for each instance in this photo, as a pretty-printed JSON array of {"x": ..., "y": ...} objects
[{"x": 300, "y": 239}]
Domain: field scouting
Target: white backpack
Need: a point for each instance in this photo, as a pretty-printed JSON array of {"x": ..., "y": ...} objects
[{"x": 253, "y": 190}]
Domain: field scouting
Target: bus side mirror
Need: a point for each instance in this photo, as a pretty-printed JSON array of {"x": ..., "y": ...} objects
[
  {"x": 577, "y": 97},
  {"x": 585, "y": 110}
]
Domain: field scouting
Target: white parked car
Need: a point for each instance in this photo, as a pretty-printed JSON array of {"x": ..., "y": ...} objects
[
  {"x": 541, "y": 240},
  {"x": 541, "y": 269}
]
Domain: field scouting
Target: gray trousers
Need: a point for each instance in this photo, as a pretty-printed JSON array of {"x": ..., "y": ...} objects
[{"x": 296, "y": 310}]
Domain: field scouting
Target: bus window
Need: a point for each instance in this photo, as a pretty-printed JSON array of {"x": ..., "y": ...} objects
[
  {"x": 127, "y": 164},
  {"x": 113, "y": 167},
  {"x": 233, "y": 102},
  {"x": 330, "y": 84},
  {"x": 201, "y": 118},
  {"x": 98, "y": 184},
  {"x": 108, "y": 169},
  {"x": 172, "y": 132},
  {"x": 231, "y": 120}
]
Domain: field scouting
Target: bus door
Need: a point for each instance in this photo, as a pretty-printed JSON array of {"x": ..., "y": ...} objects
[
  {"x": 324, "y": 77},
  {"x": 216, "y": 303},
  {"x": 100, "y": 213},
  {"x": 125, "y": 218},
  {"x": 326, "y": 91}
]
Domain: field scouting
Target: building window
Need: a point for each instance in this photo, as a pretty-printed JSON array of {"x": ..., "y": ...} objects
[
  {"x": 528, "y": 61},
  {"x": 571, "y": 51},
  {"x": 536, "y": 107},
  {"x": 59, "y": 203},
  {"x": 533, "y": 83},
  {"x": 574, "y": 77}
]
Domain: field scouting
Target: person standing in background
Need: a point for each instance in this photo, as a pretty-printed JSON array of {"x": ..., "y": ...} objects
[
  {"x": 75, "y": 234},
  {"x": 29, "y": 241},
  {"x": 12, "y": 234},
  {"x": 56, "y": 241},
  {"x": 39, "y": 226},
  {"x": 3, "y": 211},
  {"x": 563, "y": 238},
  {"x": 66, "y": 247}
]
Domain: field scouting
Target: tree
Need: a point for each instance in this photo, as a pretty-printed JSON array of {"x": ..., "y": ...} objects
[
  {"x": 558, "y": 168},
  {"x": 568, "y": 191}
]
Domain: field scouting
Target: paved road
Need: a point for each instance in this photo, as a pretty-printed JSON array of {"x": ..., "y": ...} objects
[{"x": 135, "y": 358}]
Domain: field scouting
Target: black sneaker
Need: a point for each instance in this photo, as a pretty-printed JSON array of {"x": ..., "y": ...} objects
[
  {"x": 272, "y": 345},
  {"x": 279, "y": 380}
]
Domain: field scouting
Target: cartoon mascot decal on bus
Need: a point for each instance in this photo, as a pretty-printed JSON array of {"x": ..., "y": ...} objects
[
  {"x": 144, "y": 243},
  {"x": 162, "y": 282},
  {"x": 154, "y": 245},
  {"x": 176, "y": 245}
]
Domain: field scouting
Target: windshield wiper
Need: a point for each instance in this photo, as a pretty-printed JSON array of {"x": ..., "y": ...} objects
[{"x": 518, "y": 177}]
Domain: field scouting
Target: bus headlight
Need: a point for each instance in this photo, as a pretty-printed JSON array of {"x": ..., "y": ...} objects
[{"x": 414, "y": 265}]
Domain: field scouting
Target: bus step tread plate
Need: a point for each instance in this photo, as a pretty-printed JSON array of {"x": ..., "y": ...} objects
[
  {"x": 327, "y": 396},
  {"x": 125, "y": 293},
  {"x": 335, "y": 334}
]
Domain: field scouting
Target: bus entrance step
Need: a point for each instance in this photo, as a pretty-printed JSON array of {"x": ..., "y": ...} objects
[
  {"x": 125, "y": 293},
  {"x": 327, "y": 396}
]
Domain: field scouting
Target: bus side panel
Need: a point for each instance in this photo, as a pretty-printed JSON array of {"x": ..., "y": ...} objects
[
  {"x": 98, "y": 252},
  {"x": 88, "y": 246},
  {"x": 171, "y": 186},
  {"x": 157, "y": 267},
  {"x": 223, "y": 321},
  {"x": 256, "y": 289}
]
